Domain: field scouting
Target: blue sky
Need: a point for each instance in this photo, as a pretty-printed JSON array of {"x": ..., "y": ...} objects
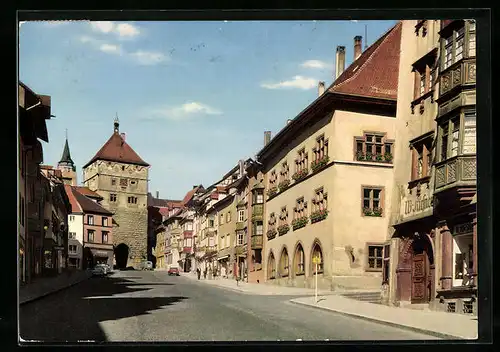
[{"x": 192, "y": 97}]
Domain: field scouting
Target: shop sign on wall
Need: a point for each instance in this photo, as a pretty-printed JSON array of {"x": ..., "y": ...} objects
[{"x": 411, "y": 205}]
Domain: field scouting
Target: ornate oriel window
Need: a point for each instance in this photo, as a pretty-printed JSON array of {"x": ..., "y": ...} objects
[
  {"x": 458, "y": 41},
  {"x": 374, "y": 147},
  {"x": 457, "y": 135},
  {"x": 300, "y": 208}
]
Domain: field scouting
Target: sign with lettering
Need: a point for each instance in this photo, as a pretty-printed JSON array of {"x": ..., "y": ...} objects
[
  {"x": 411, "y": 205},
  {"x": 463, "y": 229}
]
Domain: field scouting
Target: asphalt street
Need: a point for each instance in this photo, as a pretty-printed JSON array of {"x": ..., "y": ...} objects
[{"x": 151, "y": 306}]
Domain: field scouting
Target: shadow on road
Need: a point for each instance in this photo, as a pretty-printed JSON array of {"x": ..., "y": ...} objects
[{"x": 74, "y": 314}]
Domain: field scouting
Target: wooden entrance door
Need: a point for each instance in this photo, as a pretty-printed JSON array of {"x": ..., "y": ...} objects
[{"x": 419, "y": 279}]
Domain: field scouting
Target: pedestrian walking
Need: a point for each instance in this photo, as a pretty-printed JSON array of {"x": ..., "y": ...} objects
[
  {"x": 198, "y": 272},
  {"x": 205, "y": 273}
]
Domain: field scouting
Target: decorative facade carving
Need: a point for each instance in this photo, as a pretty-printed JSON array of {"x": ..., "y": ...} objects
[
  {"x": 472, "y": 72},
  {"x": 452, "y": 172},
  {"x": 469, "y": 169},
  {"x": 457, "y": 76},
  {"x": 440, "y": 176}
]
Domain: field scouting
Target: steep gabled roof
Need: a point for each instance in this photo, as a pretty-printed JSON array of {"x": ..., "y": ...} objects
[
  {"x": 375, "y": 73},
  {"x": 116, "y": 149},
  {"x": 88, "y": 192},
  {"x": 75, "y": 206},
  {"x": 189, "y": 195},
  {"x": 88, "y": 205}
]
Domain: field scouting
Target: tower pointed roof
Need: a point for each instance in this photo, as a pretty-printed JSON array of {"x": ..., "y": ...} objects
[
  {"x": 66, "y": 156},
  {"x": 117, "y": 150}
]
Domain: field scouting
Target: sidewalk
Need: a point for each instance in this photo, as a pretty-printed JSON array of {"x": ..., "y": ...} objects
[
  {"x": 256, "y": 289},
  {"x": 440, "y": 324},
  {"x": 45, "y": 286}
]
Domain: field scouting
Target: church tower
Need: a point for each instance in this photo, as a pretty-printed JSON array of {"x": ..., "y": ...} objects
[
  {"x": 67, "y": 166},
  {"x": 120, "y": 176}
]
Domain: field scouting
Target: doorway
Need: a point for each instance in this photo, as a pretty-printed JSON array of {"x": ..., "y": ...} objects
[{"x": 422, "y": 270}]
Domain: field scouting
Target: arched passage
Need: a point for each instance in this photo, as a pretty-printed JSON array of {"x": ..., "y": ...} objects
[
  {"x": 299, "y": 260},
  {"x": 121, "y": 255},
  {"x": 271, "y": 266},
  {"x": 317, "y": 252}
]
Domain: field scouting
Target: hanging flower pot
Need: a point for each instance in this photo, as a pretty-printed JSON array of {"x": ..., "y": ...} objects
[
  {"x": 282, "y": 229},
  {"x": 284, "y": 184},
  {"x": 317, "y": 165}
]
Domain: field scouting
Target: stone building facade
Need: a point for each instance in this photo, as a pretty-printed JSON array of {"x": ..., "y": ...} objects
[
  {"x": 326, "y": 174},
  {"x": 120, "y": 176}
]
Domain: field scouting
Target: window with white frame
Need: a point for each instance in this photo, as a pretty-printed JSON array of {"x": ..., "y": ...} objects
[
  {"x": 71, "y": 218},
  {"x": 72, "y": 235},
  {"x": 259, "y": 228},
  {"x": 72, "y": 249},
  {"x": 463, "y": 256},
  {"x": 240, "y": 237},
  {"x": 90, "y": 220},
  {"x": 241, "y": 215}
]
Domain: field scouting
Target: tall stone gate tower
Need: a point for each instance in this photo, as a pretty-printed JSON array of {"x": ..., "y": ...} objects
[
  {"x": 67, "y": 166},
  {"x": 119, "y": 175}
]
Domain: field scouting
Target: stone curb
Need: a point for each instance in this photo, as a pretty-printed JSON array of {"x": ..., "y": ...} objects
[
  {"x": 375, "y": 320},
  {"x": 28, "y": 300}
]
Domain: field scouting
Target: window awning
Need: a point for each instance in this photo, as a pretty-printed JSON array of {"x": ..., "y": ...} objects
[{"x": 223, "y": 257}]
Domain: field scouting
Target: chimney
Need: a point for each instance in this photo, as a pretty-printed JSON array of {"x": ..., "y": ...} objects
[
  {"x": 267, "y": 137},
  {"x": 157, "y": 194},
  {"x": 357, "y": 46},
  {"x": 339, "y": 61},
  {"x": 123, "y": 135},
  {"x": 321, "y": 88}
]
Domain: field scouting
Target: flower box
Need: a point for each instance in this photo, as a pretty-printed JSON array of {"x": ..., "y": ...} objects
[
  {"x": 372, "y": 212},
  {"x": 368, "y": 156},
  {"x": 388, "y": 157},
  {"x": 360, "y": 156},
  {"x": 320, "y": 163},
  {"x": 299, "y": 175},
  {"x": 282, "y": 229},
  {"x": 271, "y": 233},
  {"x": 379, "y": 158},
  {"x": 284, "y": 185},
  {"x": 318, "y": 215},
  {"x": 299, "y": 223},
  {"x": 272, "y": 191}
]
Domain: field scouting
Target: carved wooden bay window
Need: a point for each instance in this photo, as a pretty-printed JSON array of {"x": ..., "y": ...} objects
[
  {"x": 374, "y": 147},
  {"x": 373, "y": 200},
  {"x": 458, "y": 41},
  {"x": 457, "y": 135},
  {"x": 319, "y": 205}
]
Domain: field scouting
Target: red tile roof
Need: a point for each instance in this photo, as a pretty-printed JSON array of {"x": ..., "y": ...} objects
[
  {"x": 75, "y": 206},
  {"x": 87, "y": 192},
  {"x": 375, "y": 73},
  {"x": 116, "y": 149},
  {"x": 88, "y": 205},
  {"x": 189, "y": 195}
]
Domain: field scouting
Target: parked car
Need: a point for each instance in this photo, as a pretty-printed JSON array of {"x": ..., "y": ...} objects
[
  {"x": 108, "y": 268},
  {"x": 98, "y": 271},
  {"x": 174, "y": 271},
  {"x": 146, "y": 265},
  {"x": 104, "y": 267}
]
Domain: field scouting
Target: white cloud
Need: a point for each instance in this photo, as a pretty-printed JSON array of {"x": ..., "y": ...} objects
[
  {"x": 55, "y": 23},
  {"x": 184, "y": 111},
  {"x": 315, "y": 64},
  {"x": 110, "y": 48},
  {"x": 298, "y": 82},
  {"x": 148, "y": 57},
  {"x": 102, "y": 26},
  {"x": 122, "y": 30}
]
